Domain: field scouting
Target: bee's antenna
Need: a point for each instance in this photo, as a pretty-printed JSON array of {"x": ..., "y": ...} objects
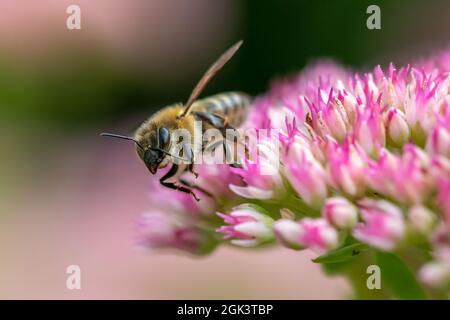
[{"x": 119, "y": 136}]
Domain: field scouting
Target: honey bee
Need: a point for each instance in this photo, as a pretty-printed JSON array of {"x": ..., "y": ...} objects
[{"x": 154, "y": 137}]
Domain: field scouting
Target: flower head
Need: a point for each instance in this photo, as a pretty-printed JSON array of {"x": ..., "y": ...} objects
[{"x": 371, "y": 152}]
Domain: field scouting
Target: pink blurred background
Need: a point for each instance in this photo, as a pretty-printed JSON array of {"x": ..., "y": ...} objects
[{"x": 67, "y": 217}]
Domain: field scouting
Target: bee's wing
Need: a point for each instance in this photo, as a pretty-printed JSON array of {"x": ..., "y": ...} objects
[{"x": 212, "y": 71}]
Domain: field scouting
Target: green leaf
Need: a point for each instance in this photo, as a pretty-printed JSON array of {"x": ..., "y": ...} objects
[
  {"x": 336, "y": 268},
  {"x": 342, "y": 254},
  {"x": 397, "y": 278}
]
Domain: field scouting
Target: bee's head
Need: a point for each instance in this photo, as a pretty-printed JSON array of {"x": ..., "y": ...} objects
[
  {"x": 152, "y": 159},
  {"x": 155, "y": 150},
  {"x": 151, "y": 149}
]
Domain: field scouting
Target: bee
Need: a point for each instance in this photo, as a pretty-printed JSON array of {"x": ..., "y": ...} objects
[{"x": 154, "y": 137}]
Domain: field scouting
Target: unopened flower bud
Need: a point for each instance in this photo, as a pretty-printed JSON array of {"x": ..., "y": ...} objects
[
  {"x": 439, "y": 141},
  {"x": 315, "y": 234},
  {"x": 340, "y": 212},
  {"x": 288, "y": 232},
  {"x": 247, "y": 227},
  {"x": 435, "y": 274},
  {"x": 397, "y": 127},
  {"x": 421, "y": 219}
]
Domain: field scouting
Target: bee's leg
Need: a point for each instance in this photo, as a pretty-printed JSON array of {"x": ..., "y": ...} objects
[
  {"x": 189, "y": 154},
  {"x": 191, "y": 170},
  {"x": 172, "y": 185},
  {"x": 194, "y": 186}
]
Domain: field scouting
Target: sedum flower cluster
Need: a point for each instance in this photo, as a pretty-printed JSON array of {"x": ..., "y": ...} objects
[{"x": 362, "y": 177}]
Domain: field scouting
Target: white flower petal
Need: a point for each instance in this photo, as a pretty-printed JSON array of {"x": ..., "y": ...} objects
[{"x": 254, "y": 229}]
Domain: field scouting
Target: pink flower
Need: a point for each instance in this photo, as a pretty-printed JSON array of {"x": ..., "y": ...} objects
[
  {"x": 439, "y": 139},
  {"x": 347, "y": 168},
  {"x": 318, "y": 235},
  {"x": 383, "y": 225},
  {"x": 247, "y": 227},
  {"x": 315, "y": 234},
  {"x": 350, "y": 103},
  {"x": 404, "y": 178},
  {"x": 288, "y": 233},
  {"x": 435, "y": 274},
  {"x": 370, "y": 151},
  {"x": 336, "y": 119},
  {"x": 421, "y": 102},
  {"x": 397, "y": 127},
  {"x": 262, "y": 177},
  {"x": 328, "y": 115},
  {"x": 421, "y": 219},
  {"x": 369, "y": 130},
  {"x": 159, "y": 230},
  {"x": 306, "y": 175},
  {"x": 340, "y": 212},
  {"x": 213, "y": 179}
]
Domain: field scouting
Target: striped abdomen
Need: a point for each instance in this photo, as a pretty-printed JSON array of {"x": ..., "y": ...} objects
[{"x": 233, "y": 106}]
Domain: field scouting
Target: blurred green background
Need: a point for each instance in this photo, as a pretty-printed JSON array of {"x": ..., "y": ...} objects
[{"x": 59, "y": 88}]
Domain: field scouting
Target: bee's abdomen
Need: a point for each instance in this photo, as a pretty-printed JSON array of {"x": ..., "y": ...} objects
[{"x": 233, "y": 106}]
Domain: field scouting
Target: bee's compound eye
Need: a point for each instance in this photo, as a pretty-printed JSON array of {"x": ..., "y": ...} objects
[{"x": 163, "y": 137}]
